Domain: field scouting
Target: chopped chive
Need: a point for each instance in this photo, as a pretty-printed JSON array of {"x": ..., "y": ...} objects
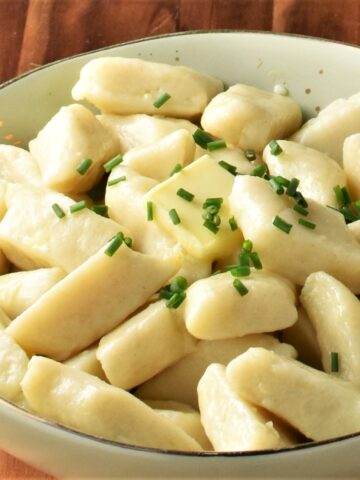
[
  {"x": 292, "y": 187},
  {"x": 282, "y": 225},
  {"x": 76, "y": 207},
  {"x": 179, "y": 284},
  {"x": 244, "y": 259},
  {"x": 59, "y": 212},
  {"x": 349, "y": 215},
  {"x": 301, "y": 210},
  {"x": 306, "y": 224},
  {"x": 346, "y": 196},
  {"x": 176, "y": 300},
  {"x": 339, "y": 194},
  {"x": 202, "y": 138},
  {"x": 174, "y": 216},
  {"x": 233, "y": 224},
  {"x": 216, "y": 220},
  {"x": 240, "y": 271},
  {"x": 176, "y": 169},
  {"x": 114, "y": 245},
  {"x": 159, "y": 102},
  {"x": 213, "y": 202},
  {"x": 256, "y": 260},
  {"x": 211, "y": 226},
  {"x": 100, "y": 209},
  {"x": 284, "y": 182},
  {"x": 127, "y": 240},
  {"x": 84, "y": 166},
  {"x": 227, "y": 166},
  {"x": 276, "y": 186},
  {"x": 240, "y": 287},
  {"x": 275, "y": 148},
  {"x": 165, "y": 294},
  {"x": 189, "y": 197},
  {"x": 216, "y": 145},
  {"x": 258, "y": 171},
  {"x": 247, "y": 245},
  {"x": 212, "y": 210},
  {"x": 114, "y": 181},
  {"x": 108, "y": 166},
  {"x": 150, "y": 211},
  {"x": 300, "y": 200},
  {"x": 250, "y": 154},
  {"x": 357, "y": 204},
  {"x": 334, "y": 361},
  {"x": 230, "y": 267}
]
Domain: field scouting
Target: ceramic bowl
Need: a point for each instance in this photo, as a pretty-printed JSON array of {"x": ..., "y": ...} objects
[{"x": 315, "y": 73}]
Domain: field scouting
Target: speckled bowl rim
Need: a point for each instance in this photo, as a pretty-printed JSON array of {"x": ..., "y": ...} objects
[{"x": 93, "y": 438}]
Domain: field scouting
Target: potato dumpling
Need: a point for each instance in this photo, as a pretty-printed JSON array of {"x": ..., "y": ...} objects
[
  {"x": 87, "y": 362},
  {"x": 317, "y": 404},
  {"x": 214, "y": 309},
  {"x": 18, "y": 166},
  {"x": 73, "y": 136},
  {"x": 328, "y": 130},
  {"x": 317, "y": 172},
  {"x": 249, "y": 117},
  {"x": 351, "y": 160},
  {"x": 130, "y": 85},
  {"x": 13, "y": 366}
]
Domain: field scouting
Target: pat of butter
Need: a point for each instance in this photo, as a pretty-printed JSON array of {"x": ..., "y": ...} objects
[{"x": 204, "y": 178}]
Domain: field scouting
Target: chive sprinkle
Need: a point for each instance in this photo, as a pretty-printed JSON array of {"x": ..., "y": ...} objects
[
  {"x": 300, "y": 200},
  {"x": 202, "y": 138},
  {"x": 59, "y": 212},
  {"x": 84, "y": 166},
  {"x": 275, "y": 148},
  {"x": 282, "y": 224},
  {"x": 179, "y": 284},
  {"x": 334, "y": 361},
  {"x": 244, "y": 258},
  {"x": 114, "y": 244},
  {"x": 240, "y": 287},
  {"x": 189, "y": 197},
  {"x": 301, "y": 210},
  {"x": 212, "y": 210},
  {"x": 211, "y": 226},
  {"x": 346, "y": 196},
  {"x": 306, "y": 224},
  {"x": 256, "y": 260},
  {"x": 150, "y": 211},
  {"x": 284, "y": 182},
  {"x": 108, "y": 166},
  {"x": 76, "y": 207},
  {"x": 247, "y": 245},
  {"x": 159, "y": 102},
  {"x": 233, "y": 224},
  {"x": 174, "y": 216},
  {"x": 100, "y": 209},
  {"x": 240, "y": 271},
  {"x": 349, "y": 215},
  {"x": 213, "y": 202},
  {"x": 227, "y": 166},
  {"x": 176, "y": 169},
  {"x": 276, "y": 186},
  {"x": 339, "y": 194},
  {"x": 250, "y": 155},
  {"x": 114, "y": 181},
  {"x": 176, "y": 300},
  {"x": 292, "y": 187},
  {"x": 258, "y": 171},
  {"x": 216, "y": 145},
  {"x": 165, "y": 294}
]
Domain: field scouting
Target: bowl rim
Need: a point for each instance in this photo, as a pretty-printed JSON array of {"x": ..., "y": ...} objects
[{"x": 201, "y": 454}]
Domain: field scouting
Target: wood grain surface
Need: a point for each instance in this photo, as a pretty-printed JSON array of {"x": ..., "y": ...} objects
[{"x": 35, "y": 32}]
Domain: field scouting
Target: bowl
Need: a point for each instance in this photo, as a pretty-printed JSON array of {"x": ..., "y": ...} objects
[{"x": 315, "y": 72}]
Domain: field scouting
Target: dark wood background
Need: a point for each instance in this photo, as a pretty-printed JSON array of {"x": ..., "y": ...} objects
[{"x": 35, "y": 32}]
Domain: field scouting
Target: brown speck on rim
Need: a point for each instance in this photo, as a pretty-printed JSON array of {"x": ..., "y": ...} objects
[
  {"x": 317, "y": 109},
  {"x": 9, "y": 137},
  {"x": 307, "y": 91},
  {"x": 321, "y": 71}
]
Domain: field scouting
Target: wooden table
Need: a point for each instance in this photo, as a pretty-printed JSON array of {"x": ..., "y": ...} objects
[{"x": 35, "y": 32}]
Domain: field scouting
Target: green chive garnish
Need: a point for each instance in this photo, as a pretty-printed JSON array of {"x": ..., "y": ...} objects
[
  {"x": 202, "y": 138},
  {"x": 165, "y": 294},
  {"x": 59, "y": 212},
  {"x": 100, "y": 209},
  {"x": 240, "y": 287},
  {"x": 179, "y": 284},
  {"x": 176, "y": 300},
  {"x": 256, "y": 260},
  {"x": 346, "y": 196},
  {"x": 76, "y": 207},
  {"x": 247, "y": 245},
  {"x": 159, "y": 102},
  {"x": 300, "y": 200},
  {"x": 301, "y": 210},
  {"x": 339, "y": 194},
  {"x": 284, "y": 182},
  {"x": 227, "y": 166},
  {"x": 349, "y": 215},
  {"x": 244, "y": 259},
  {"x": 176, "y": 169},
  {"x": 306, "y": 224},
  {"x": 114, "y": 245},
  {"x": 275, "y": 148},
  {"x": 292, "y": 187},
  {"x": 114, "y": 181},
  {"x": 189, "y": 197},
  {"x": 276, "y": 186},
  {"x": 84, "y": 166},
  {"x": 216, "y": 145},
  {"x": 282, "y": 224},
  {"x": 233, "y": 224},
  {"x": 213, "y": 202},
  {"x": 334, "y": 361},
  {"x": 174, "y": 216},
  {"x": 211, "y": 226},
  {"x": 150, "y": 211},
  {"x": 258, "y": 171},
  {"x": 250, "y": 154},
  {"x": 108, "y": 166},
  {"x": 240, "y": 271}
]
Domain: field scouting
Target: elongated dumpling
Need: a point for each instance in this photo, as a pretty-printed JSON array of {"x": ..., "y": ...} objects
[
  {"x": 329, "y": 129},
  {"x": 179, "y": 382},
  {"x": 214, "y": 309},
  {"x": 329, "y": 246},
  {"x": 335, "y": 314},
  {"x": 317, "y": 172},
  {"x": 130, "y": 85},
  {"x": 231, "y": 422},
  {"x": 249, "y": 117},
  {"x": 317, "y": 404},
  {"x": 91, "y": 301},
  {"x": 19, "y": 290},
  {"x": 18, "y": 166},
  {"x": 33, "y": 236},
  {"x": 73, "y": 136},
  {"x": 351, "y": 160},
  {"x": 87, "y": 362},
  {"x": 13, "y": 366},
  {"x": 83, "y": 402},
  {"x": 144, "y": 345}
]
